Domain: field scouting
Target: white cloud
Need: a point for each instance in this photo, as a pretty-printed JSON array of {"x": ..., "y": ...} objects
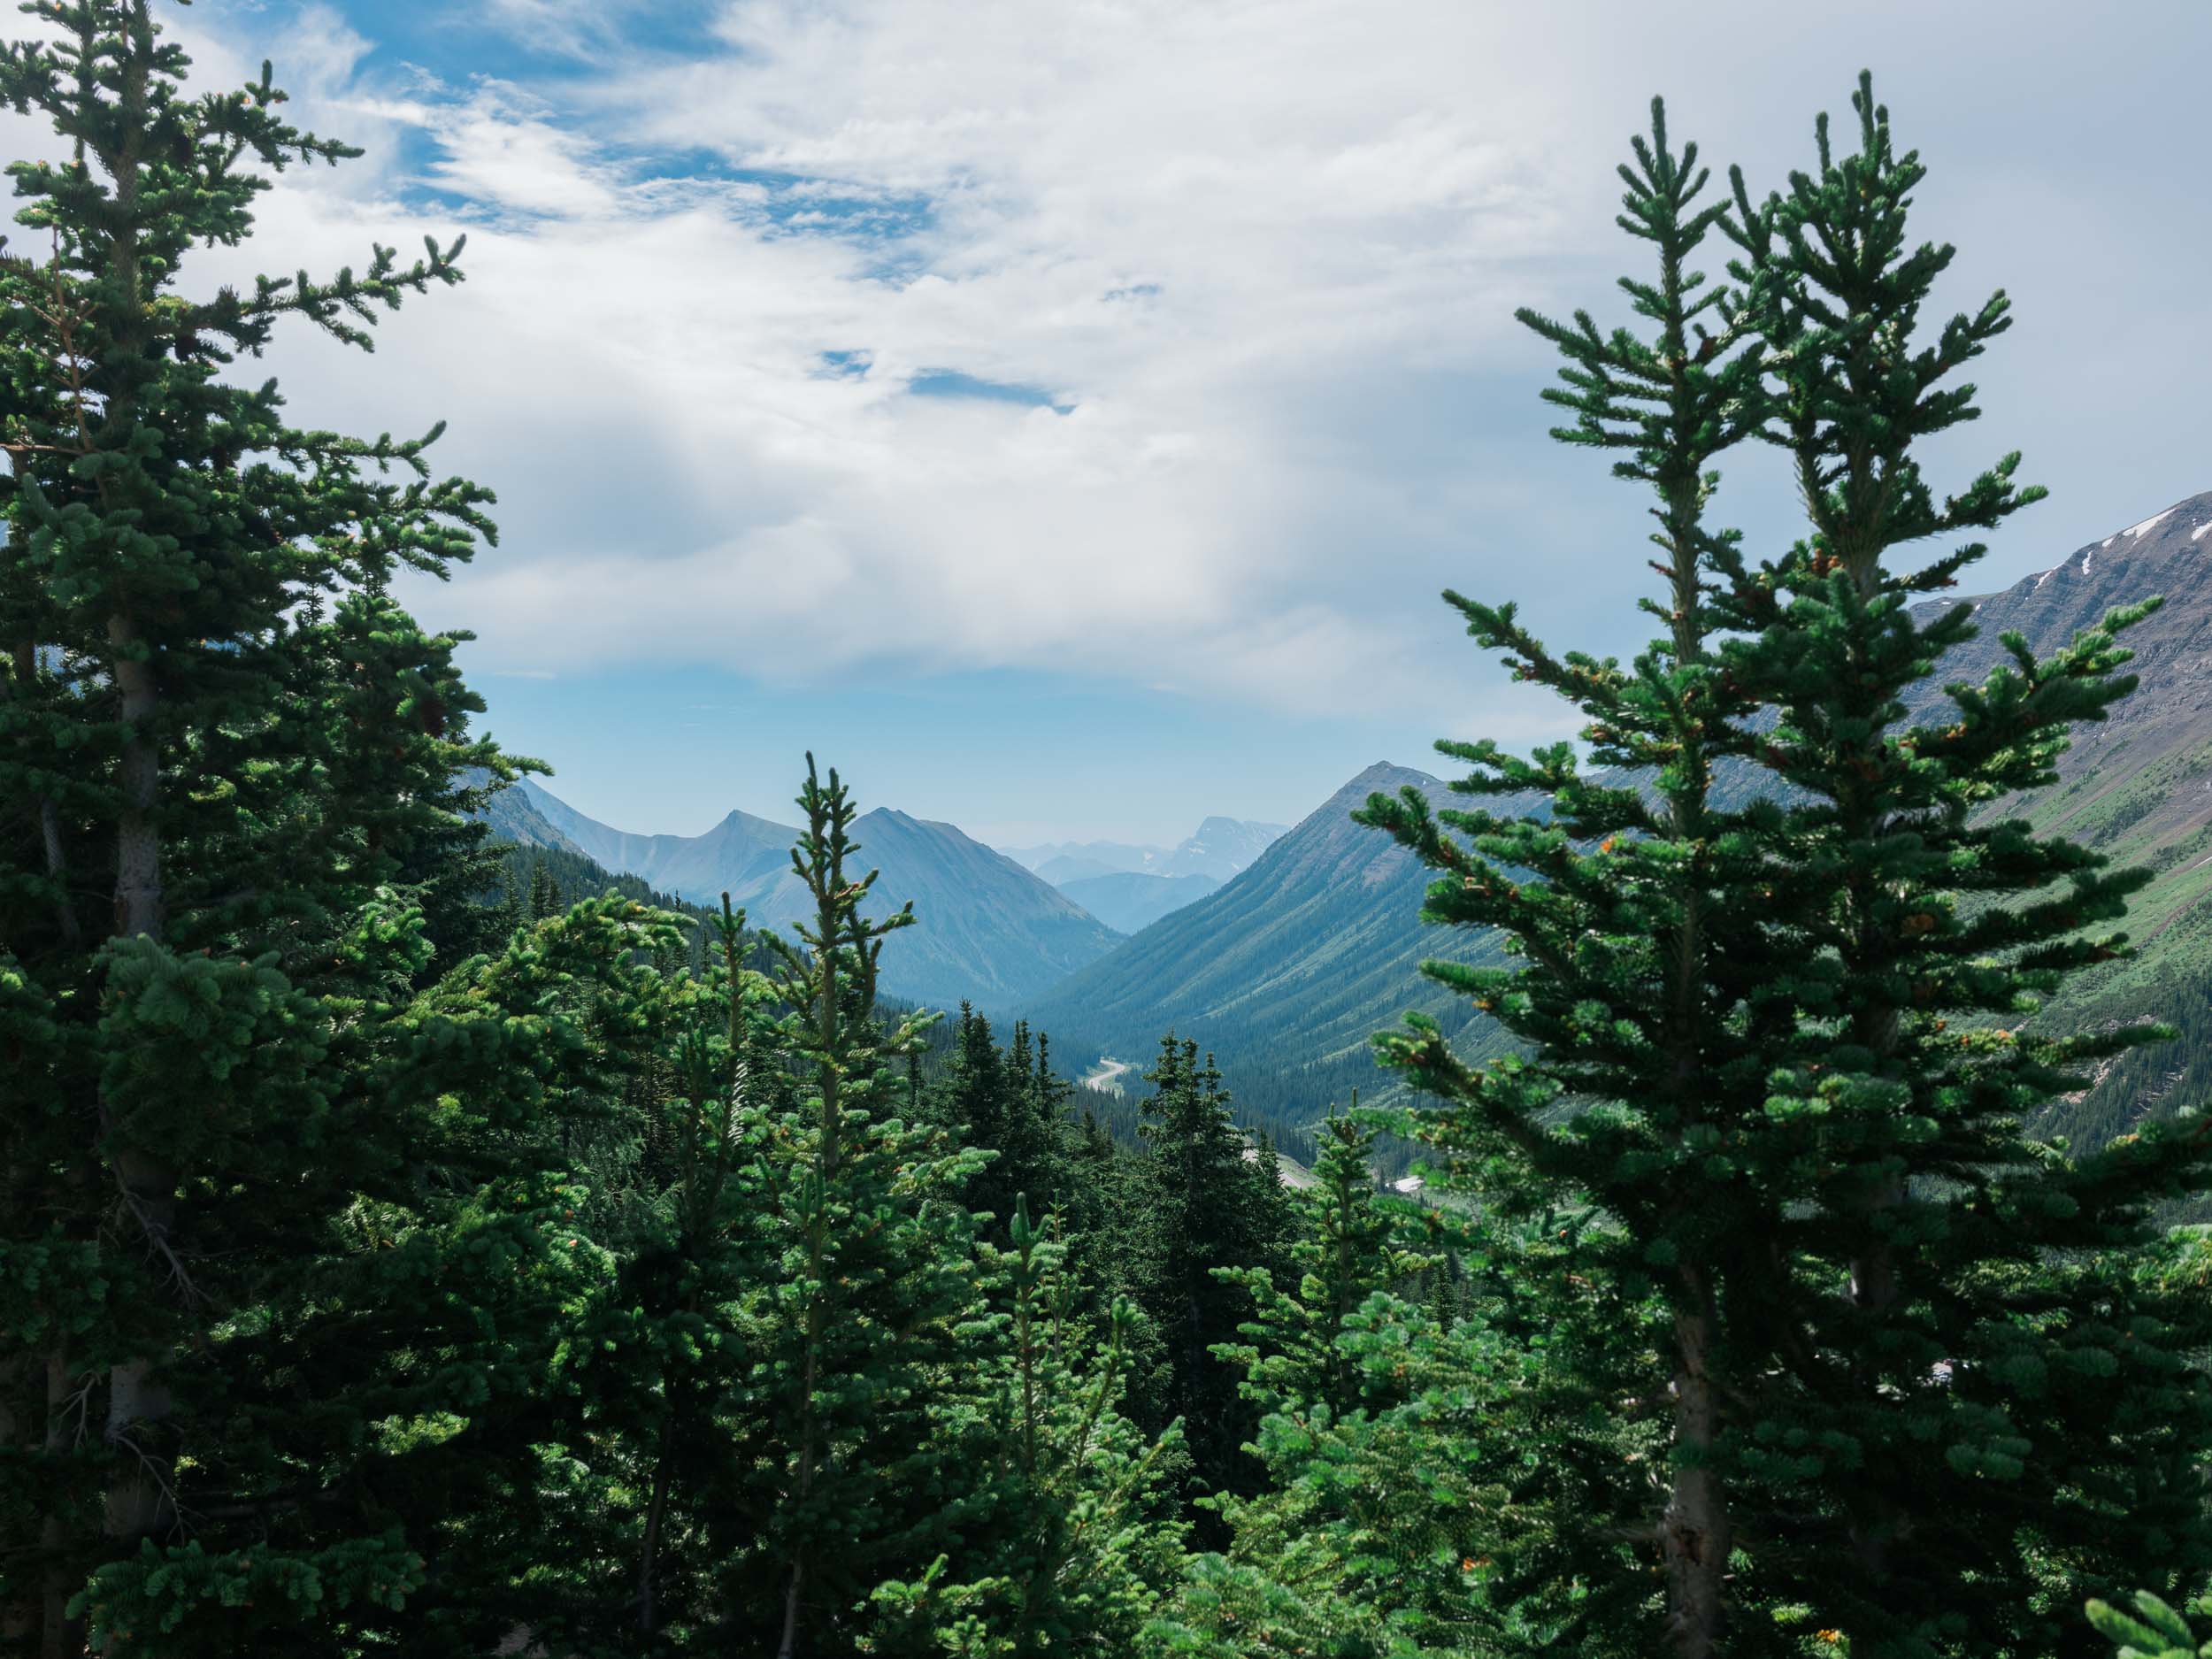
[
  {"x": 554, "y": 25},
  {"x": 1129, "y": 208},
  {"x": 1264, "y": 251}
]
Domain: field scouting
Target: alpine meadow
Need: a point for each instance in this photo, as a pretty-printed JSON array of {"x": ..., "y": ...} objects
[{"x": 1724, "y": 1177}]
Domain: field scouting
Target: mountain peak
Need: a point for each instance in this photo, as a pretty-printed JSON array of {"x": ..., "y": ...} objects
[
  {"x": 989, "y": 930},
  {"x": 1385, "y": 776},
  {"x": 1221, "y": 848}
]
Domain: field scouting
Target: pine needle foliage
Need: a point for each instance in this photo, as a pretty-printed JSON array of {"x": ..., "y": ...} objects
[
  {"x": 2154, "y": 1630},
  {"x": 1775, "y": 958},
  {"x": 252, "y": 1203}
]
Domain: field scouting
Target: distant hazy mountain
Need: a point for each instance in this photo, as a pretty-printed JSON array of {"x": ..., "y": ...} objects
[
  {"x": 1088, "y": 859},
  {"x": 1131, "y": 900},
  {"x": 989, "y": 931},
  {"x": 1065, "y": 867},
  {"x": 1286, "y": 972},
  {"x": 735, "y": 853},
  {"x": 1222, "y": 847}
]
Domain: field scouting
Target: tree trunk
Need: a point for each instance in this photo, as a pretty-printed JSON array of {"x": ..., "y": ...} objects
[
  {"x": 137, "y": 839},
  {"x": 61, "y": 1637},
  {"x": 48, "y": 814},
  {"x": 18, "y": 1618},
  {"x": 664, "y": 1470},
  {"x": 137, "y": 1502},
  {"x": 1695, "y": 1531}
]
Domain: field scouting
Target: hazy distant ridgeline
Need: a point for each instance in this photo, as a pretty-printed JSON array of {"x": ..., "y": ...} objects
[
  {"x": 992, "y": 934},
  {"x": 1220, "y": 848}
]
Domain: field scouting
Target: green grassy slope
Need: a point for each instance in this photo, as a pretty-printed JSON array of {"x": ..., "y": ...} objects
[{"x": 2138, "y": 787}]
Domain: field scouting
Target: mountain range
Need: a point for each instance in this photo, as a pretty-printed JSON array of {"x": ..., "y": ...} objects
[
  {"x": 992, "y": 933},
  {"x": 1129, "y": 887},
  {"x": 1282, "y": 952},
  {"x": 1220, "y": 848},
  {"x": 1286, "y": 971}
]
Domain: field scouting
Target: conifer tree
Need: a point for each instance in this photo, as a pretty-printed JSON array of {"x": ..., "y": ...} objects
[
  {"x": 851, "y": 1406},
  {"x": 226, "y": 1085},
  {"x": 1418, "y": 1469},
  {"x": 2009, "y": 1303},
  {"x": 1344, "y": 1252},
  {"x": 1207, "y": 1205},
  {"x": 2154, "y": 1630},
  {"x": 1629, "y": 983},
  {"x": 1080, "y": 1543},
  {"x": 657, "y": 1350},
  {"x": 1905, "y": 1411}
]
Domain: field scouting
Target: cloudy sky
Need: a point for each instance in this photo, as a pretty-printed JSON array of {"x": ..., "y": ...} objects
[{"x": 1062, "y": 414}]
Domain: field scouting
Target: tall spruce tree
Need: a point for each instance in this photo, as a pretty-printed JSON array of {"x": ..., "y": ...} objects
[
  {"x": 256, "y": 1161},
  {"x": 853, "y": 1409},
  {"x": 2012, "y": 1305},
  {"x": 1906, "y": 1406},
  {"x": 1615, "y": 896}
]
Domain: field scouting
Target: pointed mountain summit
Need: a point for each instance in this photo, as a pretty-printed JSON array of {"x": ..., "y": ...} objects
[
  {"x": 989, "y": 931},
  {"x": 736, "y": 852},
  {"x": 1223, "y": 848},
  {"x": 514, "y": 817}
]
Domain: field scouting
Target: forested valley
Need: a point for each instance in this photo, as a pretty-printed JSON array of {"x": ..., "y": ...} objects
[{"x": 420, "y": 1239}]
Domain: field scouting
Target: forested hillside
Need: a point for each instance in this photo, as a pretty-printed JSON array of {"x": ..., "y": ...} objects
[{"x": 1284, "y": 975}]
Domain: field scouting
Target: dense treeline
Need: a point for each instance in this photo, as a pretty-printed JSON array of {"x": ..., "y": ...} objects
[{"x": 405, "y": 1249}]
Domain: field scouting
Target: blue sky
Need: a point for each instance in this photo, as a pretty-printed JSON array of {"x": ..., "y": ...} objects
[{"x": 1062, "y": 416}]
